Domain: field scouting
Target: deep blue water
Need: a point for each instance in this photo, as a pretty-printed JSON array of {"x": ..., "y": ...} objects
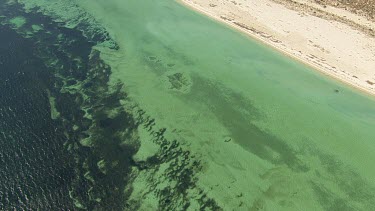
[
  {"x": 43, "y": 166},
  {"x": 35, "y": 171}
]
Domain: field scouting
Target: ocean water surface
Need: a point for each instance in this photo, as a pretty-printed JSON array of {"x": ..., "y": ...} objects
[{"x": 152, "y": 106}]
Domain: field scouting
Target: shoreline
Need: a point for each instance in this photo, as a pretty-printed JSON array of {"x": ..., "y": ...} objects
[{"x": 266, "y": 41}]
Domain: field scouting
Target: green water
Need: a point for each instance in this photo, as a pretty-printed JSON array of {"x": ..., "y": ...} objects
[
  {"x": 281, "y": 113},
  {"x": 272, "y": 133}
]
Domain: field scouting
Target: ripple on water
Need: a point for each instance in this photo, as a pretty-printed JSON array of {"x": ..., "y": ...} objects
[{"x": 35, "y": 172}]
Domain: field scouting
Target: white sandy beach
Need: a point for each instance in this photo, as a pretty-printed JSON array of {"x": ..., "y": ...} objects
[{"x": 332, "y": 47}]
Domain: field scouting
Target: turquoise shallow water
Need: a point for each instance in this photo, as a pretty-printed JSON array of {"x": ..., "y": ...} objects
[
  {"x": 216, "y": 54},
  {"x": 234, "y": 88},
  {"x": 270, "y": 133}
]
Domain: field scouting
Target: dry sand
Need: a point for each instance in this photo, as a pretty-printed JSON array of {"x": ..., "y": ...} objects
[{"x": 332, "y": 40}]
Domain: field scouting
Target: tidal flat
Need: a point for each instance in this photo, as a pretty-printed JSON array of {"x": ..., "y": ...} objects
[{"x": 166, "y": 109}]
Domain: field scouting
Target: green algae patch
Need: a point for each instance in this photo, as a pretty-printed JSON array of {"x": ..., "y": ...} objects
[
  {"x": 89, "y": 177},
  {"x": 75, "y": 127},
  {"x": 18, "y": 22},
  {"x": 36, "y": 28},
  {"x": 102, "y": 166},
  {"x": 55, "y": 114},
  {"x": 87, "y": 142}
]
